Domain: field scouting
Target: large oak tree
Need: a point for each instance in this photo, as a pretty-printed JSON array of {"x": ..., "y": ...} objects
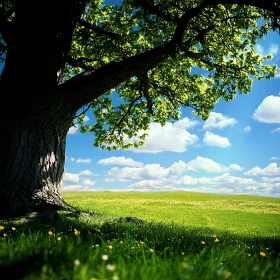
[{"x": 159, "y": 56}]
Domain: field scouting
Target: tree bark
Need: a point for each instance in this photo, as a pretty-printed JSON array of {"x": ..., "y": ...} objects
[{"x": 32, "y": 149}]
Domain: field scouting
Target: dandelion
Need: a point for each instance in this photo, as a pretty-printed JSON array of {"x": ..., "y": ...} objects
[
  {"x": 142, "y": 242},
  {"x": 13, "y": 228},
  {"x": 59, "y": 238},
  {"x": 105, "y": 257},
  {"x": 216, "y": 240},
  {"x": 110, "y": 267},
  {"x": 151, "y": 250},
  {"x": 50, "y": 233},
  {"x": 76, "y": 232},
  {"x": 262, "y": 254},
  {"x": 110, "y": 247},
  {"x": 203, "y": 242},
  {"x": 227, "y": 274},
  {"x": 4, "y": 234},
  {"x": 2, "y": 227},
  {"x": 77, "y": 262},
  {"x": 182, "y": 253}
]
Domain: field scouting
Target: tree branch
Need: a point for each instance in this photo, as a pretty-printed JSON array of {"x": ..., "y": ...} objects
[{"x": 98, "y": 29}]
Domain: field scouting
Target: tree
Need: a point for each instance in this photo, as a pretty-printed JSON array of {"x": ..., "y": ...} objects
[{"x": 159, "y": 56}]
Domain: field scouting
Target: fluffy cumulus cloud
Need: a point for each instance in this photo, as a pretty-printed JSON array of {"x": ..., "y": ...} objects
[
  {"x": 186, "y": 123},
  {"x": 70, "y": 177},
  {"x": 120, "y": 161},
  {"x": 73, "y": 129},
  {"x": 88, "y": 182},
  {"x": 85, "y": 173},
  {"x": 268, "y": 111},
  {"x": 247, "y": 129},
  {"x": 271, "y": 170},
  {"x": 219, "y": 121},
  {"x": 156, "y": 172},
  {"x": 170, "y": 137},
  {"x": 76, "y": 188},
  {"x": 272, "y": 49},
  {"x": 208, "y": 165},
  {"x": 211, "y": 139}
]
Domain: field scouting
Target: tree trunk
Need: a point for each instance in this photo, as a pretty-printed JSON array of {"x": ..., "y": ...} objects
[{"x": 32, "y": 149}]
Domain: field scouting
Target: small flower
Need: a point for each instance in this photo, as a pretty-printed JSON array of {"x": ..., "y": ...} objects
[
  {"x": 266, "y": 249},
  {"x": 216, "y": 240},
  {"x": 262, "y": 254},
  {"x": 13, "y": 228},
  {"x": 98, "y": 230},
  {"x": 151, "y": 250},
  {"x": 4, "y": 234},
  {"x": 110, "y": 247},
  {"x": 93, "y": 278},
  {"x": 182, "y": 253},
  {"x": 104, "y": 257},
  {"x": 110, "y": 267},
  {"x": 50, "y": 233},
  {"x": 132, "y": 248},
  {"x": 77, "y": 262},
  {"x": 115, "y": 277},
  {"x": 59, "y": 238},
  {"x": 76, "y": 232},
  {"x": 202, "y": 242},
  {"x": 142, "y": 242},
  {"x": 121, "y": 242},
  {"x": 2, "y": 227}
]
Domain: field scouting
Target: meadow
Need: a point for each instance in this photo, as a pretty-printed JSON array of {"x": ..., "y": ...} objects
[{"x": 146, "y": 236}]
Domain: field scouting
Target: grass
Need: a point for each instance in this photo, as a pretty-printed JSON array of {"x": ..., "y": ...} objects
[{"x": 105, "y": 246}]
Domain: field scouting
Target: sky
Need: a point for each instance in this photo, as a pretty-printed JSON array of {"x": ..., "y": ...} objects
[{"x": 236, "y": 151}]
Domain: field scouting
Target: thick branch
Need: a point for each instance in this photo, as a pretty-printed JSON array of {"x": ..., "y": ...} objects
[
  {"x": 89, "y": 85},
  {"x": 98, "y": 30}
]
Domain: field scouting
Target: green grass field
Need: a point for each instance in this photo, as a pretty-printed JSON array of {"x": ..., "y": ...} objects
[
  {"x": 236, "y": 213},
  {"x": 178, "y": 236}
]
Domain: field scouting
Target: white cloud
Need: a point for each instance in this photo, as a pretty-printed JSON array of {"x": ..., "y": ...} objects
[
  {"x": 75, "y": 188},
  {"x": 70, "y": 177},
  {"x": 247, "y": 129},
  {"x": 73, "y": 129},
  {"x": 88, "y": 182},
  {"x": 166, "y": 138},
  {"x": 86, "y": 160},
  {"x": 120, "y": 161},
  {"x": 211, "y": 139},
  {"x": 186, "y": 123},
  {"x": 259, "y": 49},
  {"x": 275, "y": 158},
  {"x": 271, "y": 180},
  {"x": 72, "y": 159},
  {"x": 235, "y": 167},
  {"x": 219, "y": 121},
  {"x": 276, "y": 130},
  {"x": 109, "y": 180},
  {"x": 85, "y": 173},
  {"x": 277, "y": 75},
  {"x": 273, "y": 49},
  {"x": 270, "y": 170},
  {"x": 268, "y": 111}
]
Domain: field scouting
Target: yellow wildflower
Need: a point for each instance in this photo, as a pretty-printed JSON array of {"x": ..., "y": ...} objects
[
  {"x": 50, "y": 233},
  {"x": 13, "y": 228},
  {"x": 59, "y": 238},
  {"x": 141, "y": 242},
  {"x": 262, "y": 254},
  {"x": 76, "y": 232},
  {"x": 202, "y": 242},
  {"x": 121, "y": 242},
  {"x": 2, "y": 227},
  {"x": 93, "y": 278},
  {"x": 4, "y": 234},
  {"x": 110, "y": 247},
  {"x": 151, "y": 250},
  {"x": 216, "y": 240},
  {"x": 182, "y": 253}
]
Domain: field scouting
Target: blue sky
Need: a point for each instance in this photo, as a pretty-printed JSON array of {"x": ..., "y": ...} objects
[{"x": 236, "y": 151}]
